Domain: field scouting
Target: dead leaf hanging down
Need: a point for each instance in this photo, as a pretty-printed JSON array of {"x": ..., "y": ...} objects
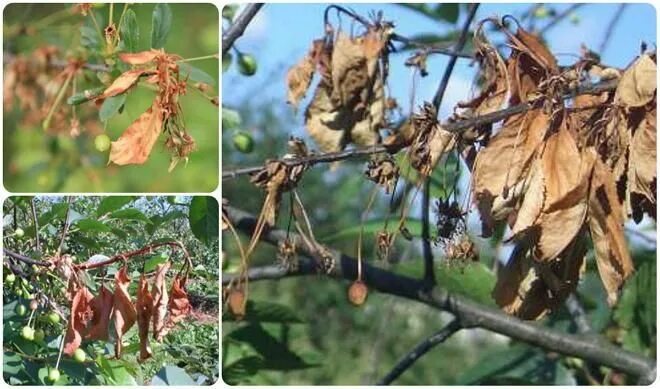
[
  {"x": 161, "y": 299},
  {"x": 300, "y": 75},
  {"x": 500, "y": 170},
  {"x": 349, "y": 103},
  {"x": 530, "y": 289},
  {"x": 642, "y": 170},
  {"x": 124, "y": 310},
  {"x": 638, "y": 84},
  {"x": 144, "y": 307},
  {"x": 430, "y": 142},
  {"x": 606, "y": 226},
  {"x": 81, "y": 313},
  {"x": 179, "y": 304},
  {"x": 125, "y": 81},
  {"x": 382, "y": 170},
  {"x": 136, "y": 143},
  {"x": 101, "y": 306}
]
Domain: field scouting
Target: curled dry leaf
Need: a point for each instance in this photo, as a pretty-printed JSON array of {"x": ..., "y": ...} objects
[
  {"x": 642, "y": 168},
  {"x": 144, "y": 307},
  {"x": 349, "y": 103},
  {"x": 383, "y": 171},
  {"x": 124, "y": 310},
  {"x": 125, "y": 81},
  {"x": 101, "y": 306},
  {"x": 81, "y": 313},
  {"x": 141, "y": 58},
  {"x": 638, "y": 84},
  {"x": 179, "y": 305},
  {"x": 160, "y": 297},
  {"x": 275, "y": 178},
  {"x": 299, "y": 77},
  {"x": 430, "y": 142},
  {"x": 136, "y": 143},
  {"x": 606, "y": 226}
]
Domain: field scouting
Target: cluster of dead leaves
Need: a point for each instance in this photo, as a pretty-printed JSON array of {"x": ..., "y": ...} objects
[
  {"x": 349, "y": 103},
  {"x": 32, "y": 84},
  {"x": 91, "y": 315},
  {"x": 557, "y": 174},
  {"x": 137, "y": 141}
]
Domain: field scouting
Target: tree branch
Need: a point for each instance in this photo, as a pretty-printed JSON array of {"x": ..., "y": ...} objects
[
  {"x": 23, "y": 258},
  {"x": 610, "y": 28},
  {"x": 456, "y": 126},
  {"x": 420, "y": 350},
  {"x": 469, "y": 313},
  {"x": 239, "y": 26}
]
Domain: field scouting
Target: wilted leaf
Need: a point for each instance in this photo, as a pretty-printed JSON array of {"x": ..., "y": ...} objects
[
  {"x": 160, "y": 298},
  {"x": 642, "y": 171},
  {"x": 299, "y": 76},
  {"x": 606, "y": 225},
  {"x": 638, "y": 84},
  {"x": 124, "y": 310},
  {"x": 101, "y": 306},
  {"x": 141, "y": 58},
  {"x": 81, "y": 313},
  {"x": 179, "y": 305},
  {"x": 123, "y": 83},
  {"x": 135, "y": 144},
  {"x": 144, "y": 307}
]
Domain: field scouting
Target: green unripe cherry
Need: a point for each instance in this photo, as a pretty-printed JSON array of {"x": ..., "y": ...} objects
[
  {"x": 27, "y": 333},
  {"x": 39, "y": 335},
  {"x": 243, "y": 142},
  {"x": 79, "y": 355},
  {"x": 20, "y": 310},
  {"x": 53, "y": 375},
  {"x": 541, "y": 12},
  {"x": 53, "y": 318},
  {"x": 247, "y": 64},
  {"x": 102, "y": 143},
  {"x": 19, "y": 233},
  {"x": 11, "y": 277}
]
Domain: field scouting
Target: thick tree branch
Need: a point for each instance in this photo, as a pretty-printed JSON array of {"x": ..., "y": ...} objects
[
  {"x": 456, "y": 126},
  {"x": 425, "y": 346},
  {"x": 239, "y": 26},
  {"x": 469, "y": 313}
]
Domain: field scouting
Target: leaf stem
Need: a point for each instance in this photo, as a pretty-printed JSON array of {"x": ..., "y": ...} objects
[
  {"x": 210, "y": 56},
  {"x": 58, "y": 99}
]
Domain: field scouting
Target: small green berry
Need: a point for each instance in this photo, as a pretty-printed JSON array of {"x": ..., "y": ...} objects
[
  {"x": 79, "y": 355},
  {"x": 243, "y": 142},
  {"x": 19, "y": 233},
  {"x": 102, "y": 143},
  {"x": 53, "y": 318},
  {"x": 27, "y": 333},
  {"x": 11, "y": 277},
  {"x": 39, "y": 335},
  {"x": 53, "y": 375},
  {"x": 20, "y": 310},
  {"x": 541, "y": 12},
  {"x": 247, "y": 64}
]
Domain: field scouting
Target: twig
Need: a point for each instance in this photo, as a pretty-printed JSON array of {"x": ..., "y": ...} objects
[
  {"x": 60, "y": 63},
  {"x": 470, "y": 314},
  {"x": 239, "y": 26},
  {"x": 610, "y": 28},
  {"x": 429, "y": 276},
  {"x": 36, "y": 225},
  {"x": 560, "y": 16},
  {"x": 67, "y": 222},
  {"x": 457, "y": 126},
  {"x": 23, "y": 258},
  {"x": 430, "y": 49},
  {"x": 420, "y": 350}
]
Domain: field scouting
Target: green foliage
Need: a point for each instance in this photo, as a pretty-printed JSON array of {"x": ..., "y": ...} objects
[
  {"x": 129, "y": 32},
  {"x": 204, "y": 221},
  {"x": 161, "y": 23},
  {"x": 111, "y": 106}
]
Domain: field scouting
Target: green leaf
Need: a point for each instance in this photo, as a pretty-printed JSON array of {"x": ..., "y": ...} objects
[
  {"x": 203, "y": 218},
  {"x": 372, "y": 227},
  {"x": 91, "y": 225},
  {"x": 448, "y": 12},
  {"x": 111, "y": 107},
  {"x": 240, "y": 371},
  {"x": 151, "y": 263},
  {"x": 276, "y": 355},
  {"x": 266, "y": 312},
  {"x": 130, "y": 214},
  {"x": 90, "y": 38},
  {"x": 85, "y": 96},
  {"x": 129, "y": 31},
  {"x": 172, "y": 375},
  {"x": 111, "y": 203},
  {"x": 161, "y": 22},
  {"x": 195, "y": 74}
]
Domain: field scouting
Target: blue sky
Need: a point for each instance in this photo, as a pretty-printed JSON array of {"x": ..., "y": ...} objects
[{"x": 281, "y": 34}]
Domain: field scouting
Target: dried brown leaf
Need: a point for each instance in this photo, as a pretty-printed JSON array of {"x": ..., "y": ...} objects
[
  {"x": 638, "y": 84},
  {"x": 136, "y": 143},
  {"x": 299, "y": 76},
  {"x": 161, "y": 299},
  {"x": 179, "y": 304},
  {"x": 81, "y": 313},
  {"x": 642, "y": 171},
  {"x": 124, "y": 310},
  {"x": 144, "y": 307},
  {"x": 101, "y": 306},
  {"x": 141, "y": 58},
  {"x": 606, "y": 225},
  {"x": 123, "y": 83}
]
